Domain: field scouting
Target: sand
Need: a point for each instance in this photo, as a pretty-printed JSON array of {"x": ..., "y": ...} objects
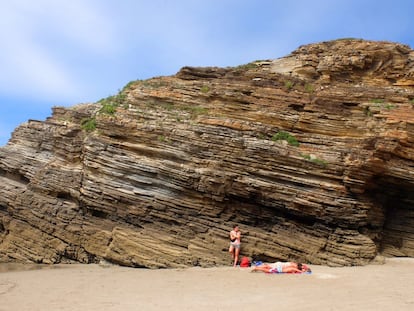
[{"x": 106, "y": 287}]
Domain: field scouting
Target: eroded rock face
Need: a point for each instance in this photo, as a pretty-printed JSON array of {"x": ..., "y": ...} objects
[{"x": 311, "y": 154}]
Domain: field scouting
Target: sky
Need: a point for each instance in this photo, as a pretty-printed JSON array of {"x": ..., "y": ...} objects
[{"x": 61, "y": 53}]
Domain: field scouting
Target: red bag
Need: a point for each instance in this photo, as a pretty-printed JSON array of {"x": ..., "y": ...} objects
[{"x": 245, "y": 262}]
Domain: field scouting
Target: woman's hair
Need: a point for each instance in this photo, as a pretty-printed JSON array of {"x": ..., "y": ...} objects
[{"x": 304, "y": 267}]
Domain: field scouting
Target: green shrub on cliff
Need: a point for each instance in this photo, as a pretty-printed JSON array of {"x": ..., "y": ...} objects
[
  {"x": 309, "y": 88},
  {"x": 282, "y": 135},
  {"x": 247, "y": 66},
  {"x": 377, "y": 101},
  {"x": 110, "y": 103},
  {"x": 88, "y": 124},
  {"x": 389, "y": 106},
  {"x": 320, "y": 162},
  {"x": 289, "y": 85},
  {"x": 129, "y": 85},
  {"x": 368, "y": 112},
  {"x": 108, "y": 108},
  {"x": 314, "y": 159},
  {"x": 205, "y": 89}
]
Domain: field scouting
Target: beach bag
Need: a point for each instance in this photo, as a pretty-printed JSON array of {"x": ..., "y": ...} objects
[{"x": 245, "y": 262}]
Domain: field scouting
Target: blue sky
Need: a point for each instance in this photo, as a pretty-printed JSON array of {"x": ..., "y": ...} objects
[{"x": 60, "y": 52}]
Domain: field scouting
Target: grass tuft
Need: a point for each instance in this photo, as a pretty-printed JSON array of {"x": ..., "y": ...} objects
[
  {"x": 291, "y": 140},
  {"x": 88, "y": 124}
]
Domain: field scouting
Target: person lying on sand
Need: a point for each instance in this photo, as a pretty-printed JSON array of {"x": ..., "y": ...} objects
[{"x": 282, "y": 267}]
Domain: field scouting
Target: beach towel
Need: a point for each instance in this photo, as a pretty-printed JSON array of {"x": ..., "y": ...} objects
[{"x": 274, "y": 271}]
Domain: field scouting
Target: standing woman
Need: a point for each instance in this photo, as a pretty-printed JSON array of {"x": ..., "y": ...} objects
[{"x": 234, "y": 248}]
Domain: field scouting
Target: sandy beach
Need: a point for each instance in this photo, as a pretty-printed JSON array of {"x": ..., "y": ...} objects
[{"x": 107, "y": 287}]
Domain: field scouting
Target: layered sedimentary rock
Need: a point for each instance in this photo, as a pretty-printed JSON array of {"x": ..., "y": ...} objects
[{"x": 311, "y": 154}]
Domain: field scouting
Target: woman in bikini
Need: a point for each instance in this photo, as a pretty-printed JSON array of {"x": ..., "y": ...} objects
[
  {"x": 234, "y": 249},
  {"x": 283, "y": 267}
]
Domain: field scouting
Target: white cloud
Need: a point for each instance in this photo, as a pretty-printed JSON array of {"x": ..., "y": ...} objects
[
  {"x": 60, "y": 49},
  {"x": 39, "y": 39},
  {"x": 29, "y": 69},
  {"x": 75, "y": 20}
]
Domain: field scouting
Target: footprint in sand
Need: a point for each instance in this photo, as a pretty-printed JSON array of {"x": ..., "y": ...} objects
[
  {"x": 6, "y": 287},
  {"x": 326, "y": 276}
]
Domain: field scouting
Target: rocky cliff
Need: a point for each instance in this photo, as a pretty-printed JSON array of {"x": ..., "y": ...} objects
[{"x": 311, "y": 154}]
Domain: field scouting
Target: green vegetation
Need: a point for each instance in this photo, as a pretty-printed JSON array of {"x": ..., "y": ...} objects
[
  {"x": 161, "y": 105},
  {"x": 320, "y": 162},
  {"x": 129, "y": 85},
  {"x": 315, "y": 160},
  {"x": 88, "y": 124},
  {"x": 367, "y": 111},
  {"x": 154, "y": 83},
  {"x": 248, "y": 66},
  {"x": 195, "y": 110},
  {"x": 204, "y": 89},
  {"x": 108, "y": 108},
  {"x": 291, "y": 140},
  {"x": 110, "y": 104},
  {"x": 346, "y": 39},
  {"x": 306, "y": 156},
  {"x": 309, "y": 88},
  {"x": 289, "y": 85},
  {"x": 377, "y": 101},
  {"x": 389, "y": 106}
]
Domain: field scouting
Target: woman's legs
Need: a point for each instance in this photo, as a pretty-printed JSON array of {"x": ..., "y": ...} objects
[
  {"x": 236, "y": 255},
  {"x": 231, "y": 251},
  {"x": 262, "y": 268}
]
